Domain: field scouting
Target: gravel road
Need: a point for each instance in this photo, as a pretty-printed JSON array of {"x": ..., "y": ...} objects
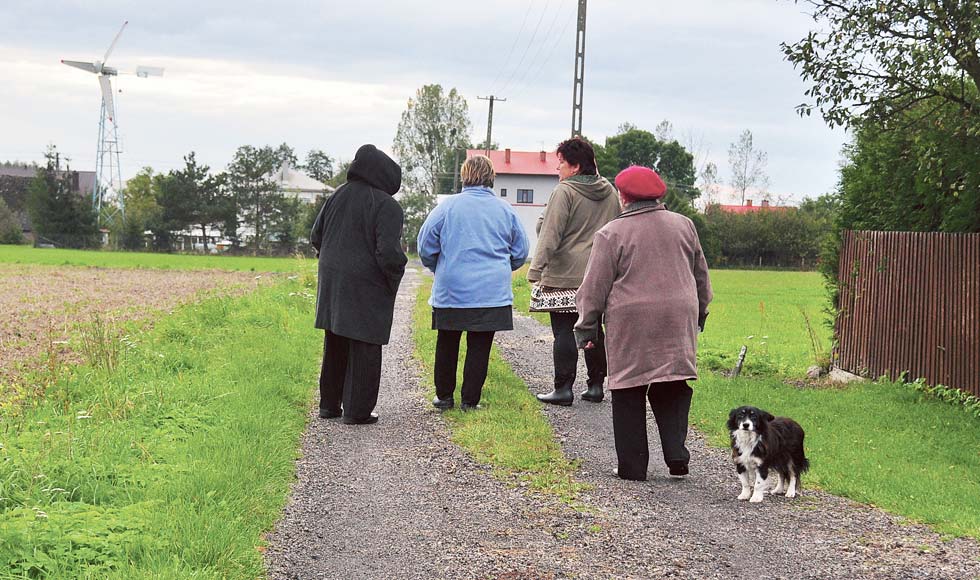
[{"x": 399, "y": 500}]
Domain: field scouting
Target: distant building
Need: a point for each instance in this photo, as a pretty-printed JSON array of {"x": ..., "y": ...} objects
[
  {"x": 297, "y": 184},
  {"x": 750, "y": 208},
  {"x": 15, "y": 178},
  {"x": 525, "y": 179}
]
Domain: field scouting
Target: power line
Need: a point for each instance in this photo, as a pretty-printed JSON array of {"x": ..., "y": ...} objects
[
  {"x": 526, "y": 48},
  {"x": 532, "y": 64},
  {"x": 550, "y": 54},
  {"x": 517, "y": 37}
]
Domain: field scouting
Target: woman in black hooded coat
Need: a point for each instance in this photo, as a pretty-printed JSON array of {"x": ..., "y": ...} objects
[{"x": 357, "y": 236}]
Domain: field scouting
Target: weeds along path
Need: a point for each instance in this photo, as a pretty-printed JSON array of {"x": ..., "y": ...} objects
[{"x": 695, "y": 528}]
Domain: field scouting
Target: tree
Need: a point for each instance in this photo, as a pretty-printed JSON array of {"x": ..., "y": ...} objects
[
  {"x": 280, "y": 155},
  {"x": 670, "y": 159},
  {"x": 142, "y": 210},
  {"x": 708, "y": 182},
  {"x": 416, "y": 205},
  {"x": 10, "y": 230},
  {"x": 188, "y": 197},
  {"x": 432, "y": 126},
  {"x": 59, "y": 213},
  {"x": 748, "y": 166},
  {"x": 254, "y": 194},
  {"x": 318, "y": 165},
  {"x": 874, "y": 60}
]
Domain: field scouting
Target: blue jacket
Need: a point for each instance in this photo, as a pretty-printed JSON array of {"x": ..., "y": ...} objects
[{"x": 472, "y": 241}]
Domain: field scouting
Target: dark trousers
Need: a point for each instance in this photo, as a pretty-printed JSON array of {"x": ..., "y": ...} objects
[
  {"x": 474, "y": 368},
  {"x": 350, "y": 374},
  {"x": 671, "y": 403},
  {"x": 566, "y": 352}
]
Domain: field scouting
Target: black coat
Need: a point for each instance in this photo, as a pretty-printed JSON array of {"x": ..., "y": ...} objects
[{"x": 358, "y": 237}]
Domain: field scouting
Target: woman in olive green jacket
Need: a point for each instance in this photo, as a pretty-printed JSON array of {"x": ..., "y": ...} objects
[{"x": 582, "y": 203}]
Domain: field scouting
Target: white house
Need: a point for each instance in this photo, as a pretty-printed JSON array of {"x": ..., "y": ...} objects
[
  {"x": 298, "y": 184},
  {"x": 525, "y": 179}
]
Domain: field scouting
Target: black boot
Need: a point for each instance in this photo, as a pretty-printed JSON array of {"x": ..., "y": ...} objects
[
  {"x": 593, "y": 394},
  {"x": 560, "y": 396}
]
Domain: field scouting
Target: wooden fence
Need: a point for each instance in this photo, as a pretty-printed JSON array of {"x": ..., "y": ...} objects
[{"x": 910, "y": 303}]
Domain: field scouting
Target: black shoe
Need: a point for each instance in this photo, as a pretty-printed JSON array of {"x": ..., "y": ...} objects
[
  {"x": 468, "y": 407},
  {"x": 677, "y": 468},
  {"x": 561, "y": 396},
  {"x": 330, "y": 413},
  {"x": 372, "y": 418},
  {"x": 443, "y": 404},
  {"x": 616, "y": 473},
  {"x": 594, "y": 394}
]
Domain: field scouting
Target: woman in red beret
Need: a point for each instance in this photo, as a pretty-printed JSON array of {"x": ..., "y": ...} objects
[{"x": 648, "y": 281}]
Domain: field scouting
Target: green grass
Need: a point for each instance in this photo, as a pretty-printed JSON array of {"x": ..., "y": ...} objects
[
  {"x": 109, "y": 259},
  {"x": 763, "y": 310},
  {"x": 883, "y": 444},
  {"x": 510, "y": 433},
  {"x": 171, "y": 460}
]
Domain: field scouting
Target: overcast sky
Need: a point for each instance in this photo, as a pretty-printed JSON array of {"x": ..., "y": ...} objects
[{"x": 336, "y": 74}]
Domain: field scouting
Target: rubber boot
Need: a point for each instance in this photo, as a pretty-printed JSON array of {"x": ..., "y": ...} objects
[
  {"x": 593, "y": 394},
  {"x": 560, "y": 396}
]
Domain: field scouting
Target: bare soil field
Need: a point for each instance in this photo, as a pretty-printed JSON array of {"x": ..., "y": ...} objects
[{"x": 41, "y": 307}]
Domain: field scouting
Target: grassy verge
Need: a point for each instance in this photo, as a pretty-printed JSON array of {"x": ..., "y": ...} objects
[
  {"x": 510, "y": 433},
  {"x": 883, "y": 444},
  {"x": 169, "y": 458},
  {"x": 108, "y": 259}
]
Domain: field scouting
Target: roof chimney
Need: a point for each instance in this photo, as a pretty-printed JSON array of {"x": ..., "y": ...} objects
[
  {"x": 544, "y": 157},
  {"x": 748, "y": 203},
  {"x": 765, "y": 203},
  {"x": 507, "y": 155}
]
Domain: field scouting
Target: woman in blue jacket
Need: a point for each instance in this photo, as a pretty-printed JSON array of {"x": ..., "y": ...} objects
[{"x": 472, "y": 241}]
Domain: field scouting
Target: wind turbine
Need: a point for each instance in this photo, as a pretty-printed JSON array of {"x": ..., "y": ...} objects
[{"x": 108, "y": 178}]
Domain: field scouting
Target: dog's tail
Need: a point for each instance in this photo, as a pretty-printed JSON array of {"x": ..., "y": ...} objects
[{"x": 800, "y": 462}]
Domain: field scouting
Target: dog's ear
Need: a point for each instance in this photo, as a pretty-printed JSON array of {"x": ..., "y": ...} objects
[
  {"x": 767, "y": 416},
  {"x": 731, "y": 420}
]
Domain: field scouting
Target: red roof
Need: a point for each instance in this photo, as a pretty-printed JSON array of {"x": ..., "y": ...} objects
[
  {"x": 507, "y": 162},
  {"x": 751, "y": 208}
]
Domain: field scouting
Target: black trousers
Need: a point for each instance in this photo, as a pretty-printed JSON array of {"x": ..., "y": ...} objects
[
  {"x": 350, "y": 375},
  {"x": 671, "y": 403},
  {"x": 474, "y": 368},
  {"x": 566, "y": 352}
]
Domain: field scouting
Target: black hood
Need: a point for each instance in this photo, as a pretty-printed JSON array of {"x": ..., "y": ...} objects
[{"x": 376, "y": 169}]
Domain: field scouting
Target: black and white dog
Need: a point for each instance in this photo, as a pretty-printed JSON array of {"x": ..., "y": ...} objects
[{"x": 763, "y": 444}]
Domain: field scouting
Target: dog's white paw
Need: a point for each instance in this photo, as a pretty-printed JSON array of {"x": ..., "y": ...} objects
[
  {"x": 790, "y": 494},
  {"x": 744, "y": 495},
  {"x": 756, "y": 498}
]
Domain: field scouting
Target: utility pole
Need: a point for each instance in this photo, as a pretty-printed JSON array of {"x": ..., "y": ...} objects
[
  {"x": 491, "y": 98},
  {"x": 579, "y": 85}
]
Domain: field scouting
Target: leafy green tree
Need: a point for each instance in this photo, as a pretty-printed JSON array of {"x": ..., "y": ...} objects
[
  {"x": 416, "y": 205},
  {"x": 633, "y": 146},
  {"x": 433, "y": 126},
  {"x": 255, "y": 195},
  {"x": 142, "y": 210},
  {"x": 318, "y": 165},
  {"x": 10, "y": 230},
  {"x": 60, "y": 214},
  {"x": 870, "y": 61}
]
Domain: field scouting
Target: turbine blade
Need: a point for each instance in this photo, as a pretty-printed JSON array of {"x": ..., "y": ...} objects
[
  {"x": 110, "y": 111},
  {"x": 85, "y": 66},
  {"x": 149, "y": 71},
  {"x": 114, "y": 41}
]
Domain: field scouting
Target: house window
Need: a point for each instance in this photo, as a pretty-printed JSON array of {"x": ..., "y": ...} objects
[
  {"x": 525, "y": 196},
  {"x": 503, "y": 192}
]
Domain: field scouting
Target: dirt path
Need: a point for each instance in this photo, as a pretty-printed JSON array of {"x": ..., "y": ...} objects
[{"x": 399, "y": 500}]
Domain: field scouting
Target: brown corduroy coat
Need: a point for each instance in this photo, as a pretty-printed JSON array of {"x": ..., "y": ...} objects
[{"x": 648, "y": 278}]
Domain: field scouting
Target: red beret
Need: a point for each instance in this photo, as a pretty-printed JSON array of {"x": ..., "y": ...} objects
[{"x": 636, "y": 182}]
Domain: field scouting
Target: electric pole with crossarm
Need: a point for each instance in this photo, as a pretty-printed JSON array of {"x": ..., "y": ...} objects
[{"x": 579, "y": 85}]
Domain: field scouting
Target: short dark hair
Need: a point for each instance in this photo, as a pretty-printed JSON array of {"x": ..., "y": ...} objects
[{"x": 578, "y": 151}]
